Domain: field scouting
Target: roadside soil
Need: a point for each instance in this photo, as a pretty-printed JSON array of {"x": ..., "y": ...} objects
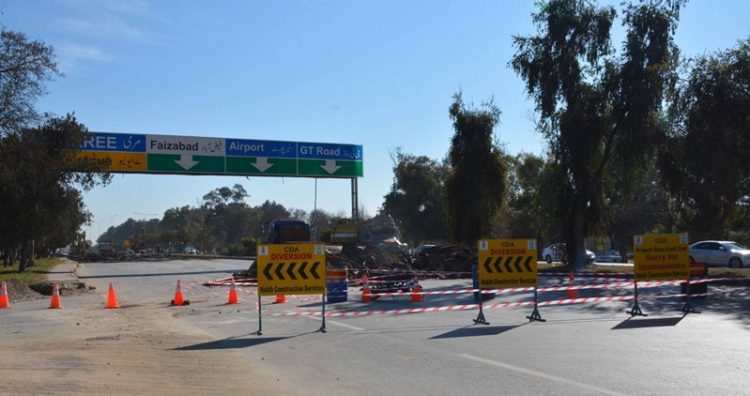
[
  {"x": 85, "y": 349},
  {"x": 19, "y": 291}
]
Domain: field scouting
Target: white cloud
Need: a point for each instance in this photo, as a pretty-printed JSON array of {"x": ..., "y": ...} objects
[
  {"x": 107, "y": 27},
  {"x": 125, "y": 7},
  {"x": 130, "y": 7},
  {"x": 76, "y": 51}
]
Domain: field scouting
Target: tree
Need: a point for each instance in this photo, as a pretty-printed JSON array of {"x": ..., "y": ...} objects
[
  {"x": 705, "y": 158},
  {"x": 523, "y": 216},
  {"x": 38, "y": 185},
  {"x": 25, "y": 66},
  {"x": 416, "y": 198},
  {"x": 639, "y": 206},
  {"x": 596, "y": 108},
  {"x": 476, "y": 181}
]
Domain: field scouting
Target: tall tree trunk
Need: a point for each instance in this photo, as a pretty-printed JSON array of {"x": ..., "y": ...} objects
[
  {"x": 576, "y": 249},
  {"x": 24, "y": 256}
]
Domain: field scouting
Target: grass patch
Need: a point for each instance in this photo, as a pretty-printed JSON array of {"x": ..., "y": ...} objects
[
  {"x": 609, "y": 268},
  {"x": 35, "y": 274},
  {"x": 719, "y": 272},
  {"x": 543, "y": 266}
]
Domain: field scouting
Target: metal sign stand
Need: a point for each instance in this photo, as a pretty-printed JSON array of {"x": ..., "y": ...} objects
[
  {"x": 687, "y": 307},
  {"x": 480, "y": 318},
  {"x": 535, "y": 316},
  {"x": 355, "y": 200},
  {"x": 323, "y": 315},
  {"x": 636, "y": 310},
  {"x": 260, "y": 317}
]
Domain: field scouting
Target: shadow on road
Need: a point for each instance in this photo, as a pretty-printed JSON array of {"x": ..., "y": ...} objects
[
  {"x": 230, "y": 271},
  {"x": 728, "y": 300},
  {"x": 631, "y": 323},
  {"x": 474, "y": 331},
  {"x": 229, "y": 343}
]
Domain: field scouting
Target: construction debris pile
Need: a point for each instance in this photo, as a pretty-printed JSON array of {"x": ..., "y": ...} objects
[{"x": 374, "y": 246}]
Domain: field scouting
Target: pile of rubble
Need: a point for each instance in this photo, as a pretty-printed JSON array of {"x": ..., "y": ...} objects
[{"x": 450, "y": 257}]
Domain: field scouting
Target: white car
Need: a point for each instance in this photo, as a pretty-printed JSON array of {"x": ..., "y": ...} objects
[
  {"x": 191, "y": 250},
  {"x": 720, "y": 253},
  {"x": 556, "y": 252}
]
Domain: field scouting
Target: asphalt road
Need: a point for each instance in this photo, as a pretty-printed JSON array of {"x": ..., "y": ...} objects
[{"x": 581, "y": 349}]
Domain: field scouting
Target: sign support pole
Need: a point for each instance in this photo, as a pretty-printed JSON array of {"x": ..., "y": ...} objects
[
  {"x": 687, "y": 307},
  {"x": 355, "y": 199},
  {"x": 480, "y": 318},
  {"x": 535, "y": 316},
  {"x": 260, "y": 317},
  {"x": 636, "y": 310},
  {"x": 323, "y": 315}
]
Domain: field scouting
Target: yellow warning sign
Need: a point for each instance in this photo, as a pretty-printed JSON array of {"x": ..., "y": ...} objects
[
  {"x": 291, "y": 269},
  {"x": 121, "y": 162},
  {"x": 507, "y": 263},
  {"x": 661, "y": 257}
]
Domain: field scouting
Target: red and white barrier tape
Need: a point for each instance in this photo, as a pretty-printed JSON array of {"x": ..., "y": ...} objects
[
  {"x": 588, "y": 274},
  {"x": 613, "y": 285},
  {"x": 465, "y": 307}
]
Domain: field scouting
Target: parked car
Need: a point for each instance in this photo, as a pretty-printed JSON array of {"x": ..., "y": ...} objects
[
  {"x": 557, "y": 252},
  {"x": 191, "y": 250},
  {"x": 720, "y": 253},
  {"x": 609, "y": 256}
]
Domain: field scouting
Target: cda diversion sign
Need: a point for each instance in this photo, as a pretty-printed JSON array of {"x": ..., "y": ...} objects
[
  {"x": 291, "y": 269},
  {"x": 661, "y": 257},
  {"x": 507, "y": 263}
]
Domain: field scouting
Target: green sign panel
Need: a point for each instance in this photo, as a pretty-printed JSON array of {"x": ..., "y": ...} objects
[{"x": 135, "y": 153}]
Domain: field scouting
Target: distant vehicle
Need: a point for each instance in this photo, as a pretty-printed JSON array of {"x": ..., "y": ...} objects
[
  {"x": 609, "y": 256},
  {"x": 190, "y": 250},
  {"x": 106, "y": 248},
  {"x": 720, "y": 253},
  {"x": 288, "y": 231},
  {"x": 557, "y": 252}
]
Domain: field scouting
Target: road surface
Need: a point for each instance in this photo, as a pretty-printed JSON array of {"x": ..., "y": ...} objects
[{"x": 581, "y": 349}]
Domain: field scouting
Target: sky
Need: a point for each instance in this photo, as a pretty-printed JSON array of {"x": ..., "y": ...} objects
[{"x": 380, "y": 74}]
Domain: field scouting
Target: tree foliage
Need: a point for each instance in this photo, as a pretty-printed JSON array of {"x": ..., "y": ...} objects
[
  {"x": 476, "y": 181},
  {"x": 705, "y": 157},
  {"x": 596, "y": 108},
  {"x": 223, "y": 223},
  {"x": 38, "y": 187},
  {"x": 25, "y": 67},
  {"x": 416, "y": 198},
  {"x": 524, "y": 214}
]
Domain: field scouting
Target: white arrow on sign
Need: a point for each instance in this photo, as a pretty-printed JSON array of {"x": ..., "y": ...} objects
[
  {"x": 261, "y": 164},
  {"x": 330, "y": 167},
  {"x": 186, "y": 162}
]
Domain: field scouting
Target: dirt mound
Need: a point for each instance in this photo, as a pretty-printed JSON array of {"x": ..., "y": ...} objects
[
  {"x": 65, "y": 288},
  {"x": 19, "y": 291}
]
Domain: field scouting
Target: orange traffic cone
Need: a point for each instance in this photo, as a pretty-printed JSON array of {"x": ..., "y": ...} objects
[
  {"x": 178, "y": 300},
  {"x": 572, "y": 294},
  {"x": 280, "y": 299},
  {"x": 54, "y": 302},
  {"x": 416, "y": 292},
  {"x": 4, "y": 298},
  {"x": 112, "y": 298},
  {"x": 366, "y": 297},
  {"x": 233, "y": 294}
]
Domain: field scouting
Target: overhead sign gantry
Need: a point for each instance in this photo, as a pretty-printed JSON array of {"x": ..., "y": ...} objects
[{"x": 192, "y": 155}]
